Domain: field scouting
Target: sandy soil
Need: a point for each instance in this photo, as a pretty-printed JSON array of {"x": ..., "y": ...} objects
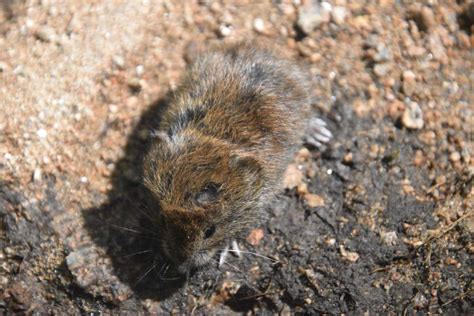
[{"x": 378, "y": 221}]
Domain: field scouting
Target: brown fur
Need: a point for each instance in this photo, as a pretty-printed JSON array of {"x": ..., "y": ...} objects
[{"x": 235, "y": 121}]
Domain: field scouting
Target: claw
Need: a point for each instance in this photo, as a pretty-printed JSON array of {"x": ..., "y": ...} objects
[
  {"x": 223, "y": 255},
  {"x": 318, "y": 132},
  {"x": 236, "y": 249}
]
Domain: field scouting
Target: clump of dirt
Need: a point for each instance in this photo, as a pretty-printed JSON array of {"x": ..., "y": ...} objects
[{"x": 378, "y": 221}]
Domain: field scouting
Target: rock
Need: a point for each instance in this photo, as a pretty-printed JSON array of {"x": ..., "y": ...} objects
[
  {"x": 46, "y": 34},
  {"x": 348, "y": 255},
  {"x": 423, "y": 17},
  {"x": 313, "y": 200},
  {"x": 381, "y": 70},
  {"x": 389, "y": 238},
  {"x": 420, "y": 301},
  {"x": 383, "y": 54},
  {"x": 293, "y": 177},
  {"x": 37, "y": 176},
  {"x": 119, "y": 61},
  {"x": 409, "y": 82},
  {"x": 312, "y": 15},
  {"x": 339, "y": 15},
  {"x": 255, "y": 236},
  {"x": 225, "y": 30},
  {"x": 427, "y": 18},
  {"x": 139, "y": 70},
  {"x": 259, "y": 26},
  {"x": 436, "y": 47},
  {"x": 3, "y": 66},
  {"x": 42, "y": 133},
  {"x": 413, "y": 116},
  {"x": 455, "y": 156}
]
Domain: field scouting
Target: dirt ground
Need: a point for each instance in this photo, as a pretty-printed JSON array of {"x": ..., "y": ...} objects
[{"x": 378, "y": 221}]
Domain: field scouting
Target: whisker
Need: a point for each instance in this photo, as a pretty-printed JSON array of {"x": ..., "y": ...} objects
[
  {"x": 129, "y": 230},
  {"x": 138, "y": 208},
  {"x": 230, "y": 265},
  {"x": 136, "y": 253},
  {"x": 162, "y": 273},
  {"x": 255, "y": 254},
  {"x": 146, "y": 273},
  {"x": 140, "y": 227}
]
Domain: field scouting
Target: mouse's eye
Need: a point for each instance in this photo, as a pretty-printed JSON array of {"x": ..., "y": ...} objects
[
  {"x": 208, "y": 194},
  {"x": 210, "y": 231}
]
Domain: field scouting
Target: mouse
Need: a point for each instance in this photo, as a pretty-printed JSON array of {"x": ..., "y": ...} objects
[{"x": 224, "y": 141}]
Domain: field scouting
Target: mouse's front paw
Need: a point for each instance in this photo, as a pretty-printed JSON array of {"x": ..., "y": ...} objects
[{"x": 318, "y": 133}]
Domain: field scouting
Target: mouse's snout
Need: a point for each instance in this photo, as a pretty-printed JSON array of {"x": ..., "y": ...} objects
[{"x": 183, "y": 234}]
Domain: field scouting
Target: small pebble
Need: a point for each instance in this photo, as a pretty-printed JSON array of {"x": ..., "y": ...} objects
[
  {"x": 37, "y": 176},
  {"x": 382, "y": 69},
  {"x": 455, "y": 156},
  {"x": 139, "y": 70},
  {"x": 42, "y": 133},
  {"x": 119, "y": 61},
  {"x": 339, "y": 15},
  {"x": 46, "y": 34},
  {"x": 413, "y": 116},
  {"x": 409, "y": 82},
  {"x": 259, "y": 25},
  {"x": 312, "y": 15},
  {"x": 225, "y": 30},
  {"x": 425, "y": 19}
]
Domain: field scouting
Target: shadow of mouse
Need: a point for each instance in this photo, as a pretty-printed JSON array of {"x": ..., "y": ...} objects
[{"x": 123, "y": 226}]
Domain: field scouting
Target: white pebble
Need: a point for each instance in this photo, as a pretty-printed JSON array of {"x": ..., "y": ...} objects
[
  {"x": 83, "y": 179},
  {"x": 37, "y": 175},
  {"x": 259, "y": 25},
  {"x": 42, "y": 133},
  {"x": 139, "y": 70},
  {"x": 225, "y": 30}
]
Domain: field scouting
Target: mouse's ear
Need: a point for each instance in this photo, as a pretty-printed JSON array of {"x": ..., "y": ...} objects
[{"x": 248, "y": 166}]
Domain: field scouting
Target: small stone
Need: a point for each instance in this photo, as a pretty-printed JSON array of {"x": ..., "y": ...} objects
[
  {"x": 113, "y": 108},
  {"x": 383, "y": 54},
  {"x": 409, "y": 82},
  {"x": 426, "y": 19},
  {"x": 259, "y": 25},
  {"x": 455, "y": 156},
  {"x": 135, "y": 85},
  {"x": 225, "y": 30},
  {"x": 37, "y": 176},
  {"x": 293, "y": 177},
  {"x": 389, "y": 238},
  {"x": 313, "y": 200},
  {"x": 139, "y": 70},
  {"x": 339, "y": 15},
  {"x": 255, "y": 236},
  {"x": 412, "y": 117},
  {"x": 118, "y": 61},
  {"x": 302, "y": 189},
  {"x": 348, "y": 158},
  {"x": 46, "y": 34},
  {"x": 348, "y": 255},
  {"x": 436, "y": 47},
  {"x": 420, "y": 301},
  {"x": 3, "y": 66},
  {"x": 42, "y": 133},
  {"x": 83, "y": 179},
  {"x": 382, "y": 69},
  {"x": 312, "y": 15}
]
